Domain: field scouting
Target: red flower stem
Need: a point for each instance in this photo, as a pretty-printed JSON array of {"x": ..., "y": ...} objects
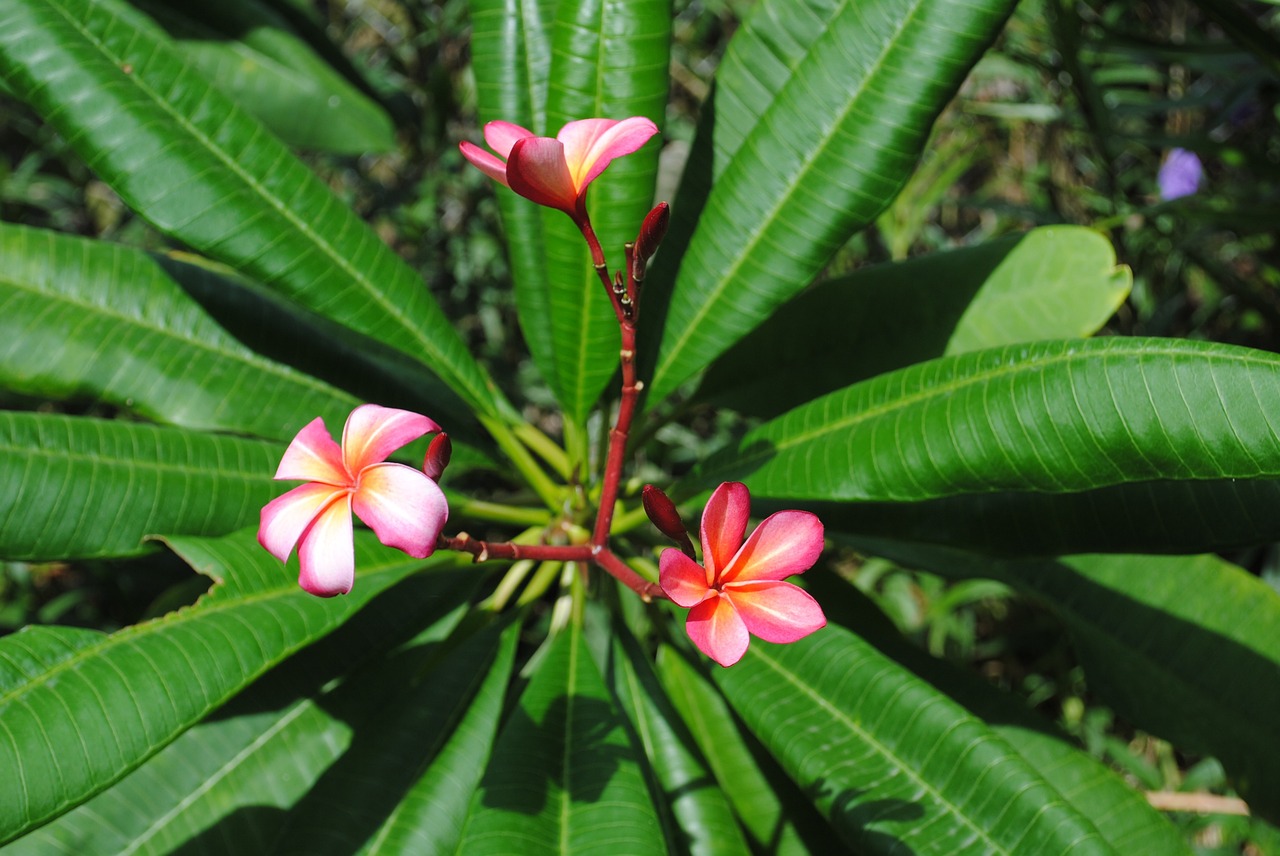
[
  {"x": 485, "y": 550},
  {"x": 602, "y": 270}
]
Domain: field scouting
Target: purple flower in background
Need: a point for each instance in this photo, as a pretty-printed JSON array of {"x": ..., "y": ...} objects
[{"x": 1179, "y": 175}]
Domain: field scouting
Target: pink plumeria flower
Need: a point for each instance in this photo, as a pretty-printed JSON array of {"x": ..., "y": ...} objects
[
  {"x": 403, "y": 507},
  {"x": 556, "y": 172},
  {"x": 738, "y": 590}
]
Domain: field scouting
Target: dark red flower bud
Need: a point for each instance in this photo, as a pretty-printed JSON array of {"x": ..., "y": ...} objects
[
  {"x": 652, "y": 231},
  {"x": 662, "y": 511},
  {"x": 438, "y": 454}
]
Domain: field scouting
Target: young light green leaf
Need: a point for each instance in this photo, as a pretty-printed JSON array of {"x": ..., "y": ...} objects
[
  {"x": 188, "y": 159},
  {"x": 1054, "y": 282}
]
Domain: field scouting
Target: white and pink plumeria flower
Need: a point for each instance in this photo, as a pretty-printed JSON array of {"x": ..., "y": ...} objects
[
  {"x": 738, "y": 590},
  {"x": 404, "y": 508},
  {"x": 556, "y": 172}
]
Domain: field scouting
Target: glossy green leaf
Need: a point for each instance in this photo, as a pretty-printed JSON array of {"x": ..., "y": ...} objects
[
  {"x": 892, "y": 763},
  {"x": 1193, "y": 669},
  {"x": 1120, "y": 813},
  {"x": 563, "y": 778},
  {"x": 425, "y": 742},
  {"x": 1051, "y": 283},
  {"x": 772, "y": 812},
  {"x": 76, "y": 487},
  {"x": 248, "y": 51},
  {"x": 88, "y": 319},
  {"x": 700, "y": 812},
  {"x": 231, "y": 782},
  {"x": 826, "y": 155},
  {"x": 187, "y": 158},
  {"x": 511, "y": 58},
  {"x": 80, "y": 710},
  {"x": 608, "y": 60},
  {"x": 1053, "y": 447}
]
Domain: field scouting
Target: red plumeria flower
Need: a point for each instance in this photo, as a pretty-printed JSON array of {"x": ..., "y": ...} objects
[
  {"x": 403, "y": 507},
  {"x": 738, "y": 589},
  {"x": 556, "y": 172}
]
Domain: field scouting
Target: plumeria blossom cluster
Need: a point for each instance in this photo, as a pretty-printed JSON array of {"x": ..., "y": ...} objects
[{"x": 737, "y": 591}]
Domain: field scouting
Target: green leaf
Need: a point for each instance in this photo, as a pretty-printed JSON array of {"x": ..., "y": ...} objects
[
  {"x": 138, "y": 341},
  {"x": 609, "y": 60},
  {"x": 80, "y": 711},
  {"x": 701, "y": 811},
  {"x": 248, "y": 51},
  {"x": 1051, "y": 283},
  {"x": 1194, "y": 669},
  {"x": 1054, "y": 447},
  {"x": 511, "y": 59},
  {"x": 826, "y": 155},
  {"x": 772, "y": 812},
  {"x": 563, "y": 777},
  {"x": 232, "y": 778},
  {"x": 1120, "y": 813},
  {"x": 892, "y": 763},
  {"x": 188, "y": 159},
  {"x": 420, "y": 764},
  {"x": 78, "y": 488}
]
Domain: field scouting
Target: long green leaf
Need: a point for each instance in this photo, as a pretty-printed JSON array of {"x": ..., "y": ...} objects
[
  {"x": 511, "y": 58},
  {"x": 78, "y": 711},
  {"x": 891, "y": 762},
  {"x": 1051, "y": 283},
  {"x": 1111, "y": 444},
  {"x": 563, "y": 777},
  {"x": 702, "y": 815},
  {"x": 1119, "y": 812},
  {"x": 826, "y": 155},
  {"x": 1195, "y": 669},
  {"x": 608, "y": 60},
  {"x": 248, "y": 51},
  {"x": 772, "y": 811},
  {"x": 83, "y": 318},
  {"x": 77, "y": 488},
  {"x": 421, "y": 763},
  {"x": 183, "y": 155},
  {"x": 227, "y": 783}
]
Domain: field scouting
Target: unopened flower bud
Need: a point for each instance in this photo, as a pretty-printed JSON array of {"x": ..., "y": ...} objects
[
  {"x": 438, "y": 454},
  {"x": 652, "y": 231},
  {"x": 662, "y": 511}
]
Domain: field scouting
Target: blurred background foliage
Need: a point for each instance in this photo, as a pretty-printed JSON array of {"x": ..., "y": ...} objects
[{"x": 1067, "y": 120}]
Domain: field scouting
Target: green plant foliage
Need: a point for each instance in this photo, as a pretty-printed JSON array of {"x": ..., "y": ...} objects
[
  {"x": 1054, "y": 282},
  {"x": 182, "y": 293}
]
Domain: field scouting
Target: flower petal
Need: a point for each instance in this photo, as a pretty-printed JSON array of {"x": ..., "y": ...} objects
[
  {"x": 590, "y": 145},
  {"x": 327, "y": 552},
  {"x": 286, "y": 517},
  {"x": 313, "y": 456},
  {"x": 403, "y": 507},
  {"x": 724, "y": 522},
  {"x": 786, "y": 543},
  {"x": 718, "y": 631},
  {"x": 536, "y": 170},
  {"x": 484, "y": 161},
  {"x": 684, "y": 580},
  {"x": 776, "y": 611},
  {"x": 501, "y": 136},
  {"x": 373, "y": 432}
]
